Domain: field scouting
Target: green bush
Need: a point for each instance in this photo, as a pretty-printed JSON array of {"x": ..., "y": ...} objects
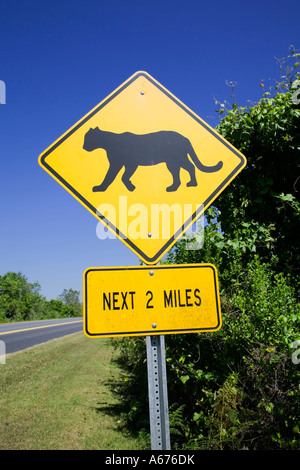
[
  {"x": 239, "y": 386},
  {"x": 19, "y": 299},
  {"x": 236, "y": 388}
]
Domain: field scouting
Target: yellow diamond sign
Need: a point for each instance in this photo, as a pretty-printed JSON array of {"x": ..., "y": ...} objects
[{"x": 143, "y": 164}]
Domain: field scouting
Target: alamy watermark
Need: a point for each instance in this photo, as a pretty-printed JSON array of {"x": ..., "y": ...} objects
[
  {"x": 2, "y": 92},
  {"x": 296, "y": 93},
  {"x": 2, "y": 352},
  {"x": 296, "y": 354},
  {"x": 160, "y": 221}
]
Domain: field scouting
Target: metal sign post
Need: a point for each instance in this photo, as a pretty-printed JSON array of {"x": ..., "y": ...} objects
[{"x": 158, "y": 393}]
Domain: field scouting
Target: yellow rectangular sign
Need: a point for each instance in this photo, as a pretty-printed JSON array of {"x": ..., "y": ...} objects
[{"x": 151, "y": 300}]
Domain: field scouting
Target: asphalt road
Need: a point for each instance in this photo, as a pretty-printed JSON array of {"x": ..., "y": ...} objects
[{"x": 23, "y": 335}]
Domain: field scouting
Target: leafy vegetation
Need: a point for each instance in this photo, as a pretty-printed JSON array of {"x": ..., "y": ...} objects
[
  {"x": 21, "y": 300},
  {"x": 238, "y": 388}
]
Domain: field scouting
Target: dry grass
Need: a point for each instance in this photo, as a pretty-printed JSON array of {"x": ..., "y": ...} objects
[{"x": 60, "y": 395}]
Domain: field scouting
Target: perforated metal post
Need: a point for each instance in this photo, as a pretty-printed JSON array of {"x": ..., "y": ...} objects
[{"x": 158, "y": 393}]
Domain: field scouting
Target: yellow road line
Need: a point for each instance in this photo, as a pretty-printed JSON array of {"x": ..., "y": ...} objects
[{"x": 38, "y": 327}]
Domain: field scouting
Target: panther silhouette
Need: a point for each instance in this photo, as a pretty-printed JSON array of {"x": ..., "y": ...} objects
[{"x": 133, "y": 150}]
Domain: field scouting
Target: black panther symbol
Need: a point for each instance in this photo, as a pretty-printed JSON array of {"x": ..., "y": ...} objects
[{"x": 132, "y": 150}]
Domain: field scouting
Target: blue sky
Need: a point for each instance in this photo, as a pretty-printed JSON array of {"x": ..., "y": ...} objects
[{"x": 59, "y": 59}]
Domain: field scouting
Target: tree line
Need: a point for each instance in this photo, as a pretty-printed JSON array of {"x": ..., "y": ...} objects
[
  {"x": 21, "y": 300},
  {"x": 238, "y": 388}
]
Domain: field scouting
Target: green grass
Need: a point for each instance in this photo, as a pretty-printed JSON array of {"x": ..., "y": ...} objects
[{"x": 62, "y": 395}]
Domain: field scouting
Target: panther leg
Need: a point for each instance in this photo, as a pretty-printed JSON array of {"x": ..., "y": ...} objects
[
  {"x": 176, "y": 178},
  {"x": 188, "y": 166},
  {"x": 129, "y": 170},
  {"x": 112, "y": 172}
]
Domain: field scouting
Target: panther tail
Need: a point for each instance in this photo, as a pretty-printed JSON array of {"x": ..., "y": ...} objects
[{"x": 199, "y": 165}]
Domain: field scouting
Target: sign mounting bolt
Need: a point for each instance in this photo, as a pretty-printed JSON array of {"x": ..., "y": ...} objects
[{"x": 154, "y": 325}]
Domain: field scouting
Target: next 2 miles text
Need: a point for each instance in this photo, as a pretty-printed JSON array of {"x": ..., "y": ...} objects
[{"x": 119, "y": 300}]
